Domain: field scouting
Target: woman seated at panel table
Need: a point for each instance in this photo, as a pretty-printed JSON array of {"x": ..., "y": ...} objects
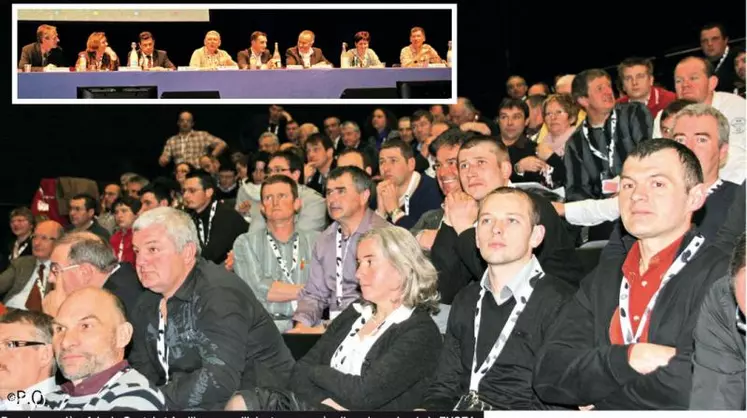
[
  {"x": 418, "y": 53},
  {"x": 362, "y": 56},
  {"x": 98, "y": 56},
  {"x": 380, "y": 352}
]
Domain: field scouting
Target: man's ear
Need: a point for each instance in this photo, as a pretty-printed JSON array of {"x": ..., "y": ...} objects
[
  {"x": 696, "y": 197},
  {"x": 538, "y": 234},
  {"x": 124, "y": 335}
]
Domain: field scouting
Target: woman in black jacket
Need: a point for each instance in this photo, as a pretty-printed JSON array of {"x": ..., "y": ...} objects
[{"x": 378, "y": 354}]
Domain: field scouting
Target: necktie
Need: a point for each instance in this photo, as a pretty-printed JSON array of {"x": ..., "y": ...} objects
[
  {"x": 34, "y": 301},
  {"x": 150, "y": 61}
]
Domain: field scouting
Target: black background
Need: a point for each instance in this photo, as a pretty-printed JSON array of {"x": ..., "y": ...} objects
[{"x": 495, "y": 38}]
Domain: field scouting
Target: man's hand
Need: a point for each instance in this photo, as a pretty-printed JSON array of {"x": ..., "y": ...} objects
[
  {"x": 109, "y": 51},
  {"x": 304, "y": 329},
  {"x": 426, "y": 238},
  {"x": 229, "y": 261},
  {"x": 308, "y": 172},
  {"x": 244, "y": 207},
  {"x": 332, "y": 404},
  {"x": 386, "y": 193},
  {"x": 52, "y": 302},
  {"x": 462, "y": 210},
  {"x": 544, "y": 151},
  {"x": 163, "y": 160},
  {"x": 586, "y": 408},
  {"x": 475, "y": 126},
  {"x": 645, "y": 358},
  {"x": 531, "y": 165}
]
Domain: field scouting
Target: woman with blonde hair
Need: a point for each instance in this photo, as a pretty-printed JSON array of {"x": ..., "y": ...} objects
[
  {"x": 379, "y": 353},
  {"x": 98, "y": 56}
]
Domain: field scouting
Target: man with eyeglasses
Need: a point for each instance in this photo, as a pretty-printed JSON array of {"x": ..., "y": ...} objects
[
  {"x": 313, "y": 213},
  {"x": 25, "y": 283},
  {"x": 218, "y": 224},
  {"x": 45, "y": 52},
  {"x": 27, "y": 363}
]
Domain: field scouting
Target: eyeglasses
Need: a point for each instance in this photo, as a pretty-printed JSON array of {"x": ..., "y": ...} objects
[
  {"x": 11, "y": 345},
  {"x": 276, "y": 170},
  {"x": 57, "y": 270}
]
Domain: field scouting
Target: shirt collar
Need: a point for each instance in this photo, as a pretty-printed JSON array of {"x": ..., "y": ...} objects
[
  {"x": 397, "y": 316},
  {"x": 186, "y": 289},
  {"x": 45, "y": 386},
  {"x": 94, "y": 383},
  {"x": 516, "y": 285}
]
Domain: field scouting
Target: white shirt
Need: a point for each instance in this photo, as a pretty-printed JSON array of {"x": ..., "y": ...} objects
[
  {"x": 19, "y": 300},
  {"x": 733, "y": 108},
  {"x": 514, "y": 286},
  {"x": 32, "y": 395},
  {"x": 591, "y": 212},
  {"x": 306, "y": 57},
  {"x": 353, "y": 350}
]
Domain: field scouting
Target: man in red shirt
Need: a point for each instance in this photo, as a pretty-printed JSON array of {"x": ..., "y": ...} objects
[
  {"x": 636, "y": 77},
  {"x": 625, "y": 341}
]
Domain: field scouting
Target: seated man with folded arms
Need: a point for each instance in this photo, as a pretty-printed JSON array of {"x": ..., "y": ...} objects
[
  {"x": 418, "y": 53},
  {"x": 332, "y": 283},
  {"x": 625, "y": 340},
  {"x": 210, "y": 55},
  {"x": 275, "y": 260},
  {"x": 497, "y": 325},
  {"x": 27, "y": 364},
  {"x": 90, "y": 336},
  {"x": 719, "y": 358}
]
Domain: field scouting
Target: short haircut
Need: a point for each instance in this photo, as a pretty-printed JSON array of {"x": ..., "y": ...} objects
[
  {"x": 362, "y": 36},
  {"x": 320, "y": 139},
  {"x": 535, "y": 100},
  {"x": 268, "y": 134},
  {"x": 701, "y": 110},
  {"x": 44, "y": 30},
  {"x": 737, "y": 256},
  {"x": 159, "y": 191},
  {"x": 675, "y": 106},
  {"x": 580, "y": 85},
  {"x": 261, "y": 156},
  {"x": 420, "y": 114},
  {"x": 144, "y": 36},
  {"x": 256, "y": 34},
  {"x": 511, "y": 103},
  {"x": 404, "y": 148},
  {"x": 534, "y": 213},
  {"x": 417, "y": 29},
  {"x": 361, "y": 179},
  {"x": 93, "y": 251},
  {"x": 25, "y": 212},
  {"x": 523, "y": 80},
  {"x": 634, "y": 61},
  {"x": 89, "y": 201},
  {"x": 308, "y": 33},
  {"x": 295, "y": 162},
  {"x": 364, "y": 157},
  {"x": 453, "y": 137},
  {"x": 42, "y": 322},
  {"x": 566, "y": 102},
  {"x": 708, "y": 66},
  {"x": 139, "y": 180},
  {"x": 279, "y": 179},
  {"x": 178, "y": 225},
  {"x": 719, "y": 25},
  {"x": 131, "y": 203},
  {"x": 207, "y": 181},
  {"x": 351, "y": 124},
  {"x": 545, "y": 87},
  {"x": 690, "y": 163},
  {"x": 500, "y": 150}
]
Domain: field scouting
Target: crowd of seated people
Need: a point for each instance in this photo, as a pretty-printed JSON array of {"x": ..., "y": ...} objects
[
  {"x": 438, "y": 262},
  {"x": 45, "y": 53}
]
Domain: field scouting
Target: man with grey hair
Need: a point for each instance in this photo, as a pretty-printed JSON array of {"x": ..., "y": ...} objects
[
  {"x": 210, "y": 56},
  {"x": 27, "y": 364},
  {"x": 351, "y": 137},
  {"x": 82, "y": 259},
  {"x": 269, "y": 142},
  {"x": 719, "y": 358},
  {"x": 200, "y": 334}
]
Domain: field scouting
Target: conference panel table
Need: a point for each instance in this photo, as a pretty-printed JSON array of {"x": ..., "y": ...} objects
[{"x": 327, "y": 83}]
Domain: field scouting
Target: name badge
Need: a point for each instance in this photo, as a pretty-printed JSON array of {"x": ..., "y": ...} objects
[
  {"x": 42, "y": 206},
  {"x": 610, "y": 186}
]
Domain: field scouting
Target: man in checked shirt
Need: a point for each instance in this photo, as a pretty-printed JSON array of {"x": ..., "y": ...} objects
[{"x": 189, "y": 145}]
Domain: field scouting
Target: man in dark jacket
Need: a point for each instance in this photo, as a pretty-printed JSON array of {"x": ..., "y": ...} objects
[
  {"x": 625, "y": 340},
  {"x": 305, "y": 53},
  {"x": 201, "y": 334},
  {"x": 719, "y": 358},
  {"x": 150, "y": 57},
  {"x": 44, "y": 52}
]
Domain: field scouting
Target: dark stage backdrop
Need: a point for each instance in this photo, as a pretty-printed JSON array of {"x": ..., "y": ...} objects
[{"x": 389, "y": 29}]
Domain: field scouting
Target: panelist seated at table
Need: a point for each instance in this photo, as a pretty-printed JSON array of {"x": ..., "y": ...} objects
[
  {"x": 304, "y": 53},
  {"x": 98, "y": 56},
  {"x": 256, "y": 56},
  {"x": 418, "y": 52},
  {"x": 43, "y": 53},
  {"x": 151, "y": 58},
  {"x": 210, "y": 56},
  {"x": 362, "y": 55}
]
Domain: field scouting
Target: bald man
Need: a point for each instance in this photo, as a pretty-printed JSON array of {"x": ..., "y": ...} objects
[
  {"x": 25, "y": 283},
  {"x": 90, "y": 336},
  {"x": 305, "y": 53}
]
